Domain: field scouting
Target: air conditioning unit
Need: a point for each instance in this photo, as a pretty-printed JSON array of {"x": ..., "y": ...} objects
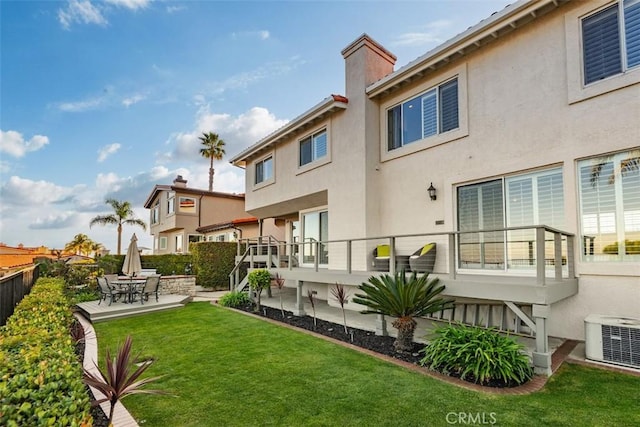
[{"x": 613, "y": 340}]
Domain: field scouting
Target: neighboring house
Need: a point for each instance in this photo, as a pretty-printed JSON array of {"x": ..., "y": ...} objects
[
  {"x": 529, "y": 118},
  {"x": 243, "y": 229},
  {"x": 12, "y": 257},
  {"x": 177, "y": 211}
]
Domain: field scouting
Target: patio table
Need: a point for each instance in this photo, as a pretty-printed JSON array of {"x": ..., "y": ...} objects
[{"x": 128, "y": 285}]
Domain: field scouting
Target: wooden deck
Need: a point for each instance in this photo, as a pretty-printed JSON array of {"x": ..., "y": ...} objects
[{"x": 104, "y": 311}]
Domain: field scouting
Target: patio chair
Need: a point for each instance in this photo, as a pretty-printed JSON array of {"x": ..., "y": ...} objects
[
  {"x": 423, "y": 260},
  {"x": 381, "y": 257},
  {"x": 108, "y": 291},
  {"x": 151, "y": 286}
]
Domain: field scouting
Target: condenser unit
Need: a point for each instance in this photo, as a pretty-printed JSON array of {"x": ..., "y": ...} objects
[{"x": 613, "y": 339}]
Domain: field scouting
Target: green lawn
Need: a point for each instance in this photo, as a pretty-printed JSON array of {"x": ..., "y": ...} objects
[{"x": 231, "y": 370}]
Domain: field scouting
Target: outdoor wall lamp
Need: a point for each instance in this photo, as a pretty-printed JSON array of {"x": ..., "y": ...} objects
[{"x": 432, "y": 191}]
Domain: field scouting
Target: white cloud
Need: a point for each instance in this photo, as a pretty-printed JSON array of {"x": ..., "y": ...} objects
[
  {"x": 262, "y": 34},
  {"x": 107, "y": 150},
  {"x": 81, "y": 12},
  {"x": 54, "y": 221},
  {"x": 24, "y": 192},
  {"x": 174, "y": 9},
  {"x": 81, "y": 106},
  {"x": 245, "y": 79},
  {"x": 130, "y": 4},
  {"x": 238, "y": 132},
  {"x": 127, "y": 102},
  {"x": 13, "y": 143},
  {"x": 433, "y": 32}
]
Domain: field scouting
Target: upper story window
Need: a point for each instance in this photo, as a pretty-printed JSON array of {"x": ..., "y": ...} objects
[
  {"x": 187, "y": 205},
  {"x": 431, "y": 113},
  {"x": 155, "y": 214},
  {"x": 313, "y": 147},
  {"x": 264, "y": 170},
  {"x": 610, "y": 207},
  {"x": 171, "y": 203},
  {"x": 611, "y": 40}
]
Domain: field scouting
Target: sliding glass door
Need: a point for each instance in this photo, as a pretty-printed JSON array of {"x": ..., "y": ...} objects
[{"x": 315, "y": 232}]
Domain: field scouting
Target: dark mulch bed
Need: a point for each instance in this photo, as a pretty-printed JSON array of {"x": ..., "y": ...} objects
[{"x": 357, "y": 337}]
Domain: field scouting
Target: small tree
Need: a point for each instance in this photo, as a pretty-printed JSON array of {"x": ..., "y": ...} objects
[
  {"x": 280, "y": 284},
  {"x": 341, "y": 294},
  {"x": 403, "y": 297},
  {"x": 312, "y": 300},
  {"x": 258, "y": 281},
  {"x": 119, "y": 381}
]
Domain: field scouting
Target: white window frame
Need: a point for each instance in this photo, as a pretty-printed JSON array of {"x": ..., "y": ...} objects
[
  {"x": 178, "y": 241},
  {"x": 271, "y": 179},
  {"x": 318, "y": 161},
  {"x": 185, "y": 210},
  {"x": 319, "y": 211},
  {"x": 462, "y": 131},
  {"x": 155, "y": 213},
  {"x": 171, "y": 203},
  {"x": 313, "y": 140},
  {"x": 163, "y": 243},
  {"x": 577, "y": 90},
  {"x": 618, "y": 227}
]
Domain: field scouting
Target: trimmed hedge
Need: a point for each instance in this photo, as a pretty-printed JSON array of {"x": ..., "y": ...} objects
[
  {"x": 213, "y": 262},
  {"x": 41, "y": 376},
  {"x": 166, "y": 265}
]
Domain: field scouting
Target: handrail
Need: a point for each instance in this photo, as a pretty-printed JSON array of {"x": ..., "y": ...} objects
[
  {"x": 453, "y": 242},
  {"x": 236, "y": 270}
]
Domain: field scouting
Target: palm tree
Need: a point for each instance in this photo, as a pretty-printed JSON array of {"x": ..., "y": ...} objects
[
  {"x": 403, "y": 297},
  {"x": 213, "y": 150},
  {"x": 122, "y": 214},
  {"x": 79, "y": 245}
]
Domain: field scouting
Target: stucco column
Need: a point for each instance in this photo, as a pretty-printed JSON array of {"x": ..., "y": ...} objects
[
  {"x": 541, "y": 355},
  {"x": 381, "y": 325},
  {"x": 299, "y": 308}
]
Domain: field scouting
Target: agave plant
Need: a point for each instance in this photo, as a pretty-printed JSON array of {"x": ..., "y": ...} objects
[
  {"x": 119, "y": 381},
  {"x": 312, "y": 301},
  {"x": 279, "y": 281},
  {"x": 403, "y": 297}
]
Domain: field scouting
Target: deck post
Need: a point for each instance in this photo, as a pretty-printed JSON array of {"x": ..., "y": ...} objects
[
  {"x": 299, "y": 308},
  {"x": 381, "y": 325},
  {"x": 541, "y": 355},
  {"x": 557, "y": 254},
  {"x": 540, "y": 267},
  {"x": 349, "y": 256},
  {"x": 392, "y": 256},
  {"x": 452, "y": 256}
]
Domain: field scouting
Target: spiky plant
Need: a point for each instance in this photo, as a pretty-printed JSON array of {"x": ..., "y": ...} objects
[
  {"x": 341, "y": 294},
  {"x": 279, "y": 281},
  {"x": 312, "y": 300},
  {"x": 119, "y": 381},
  {"x": 403, "y": 297}
]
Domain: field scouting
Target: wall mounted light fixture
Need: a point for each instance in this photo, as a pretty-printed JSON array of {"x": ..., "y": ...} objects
[{"x": 432, "y": 192}]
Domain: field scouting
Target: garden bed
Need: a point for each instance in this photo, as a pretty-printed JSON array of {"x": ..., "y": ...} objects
[{"x": 358, "y": 337}]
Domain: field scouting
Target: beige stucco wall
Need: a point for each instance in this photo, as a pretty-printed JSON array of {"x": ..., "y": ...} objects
[{"x": 522, "y": 108}]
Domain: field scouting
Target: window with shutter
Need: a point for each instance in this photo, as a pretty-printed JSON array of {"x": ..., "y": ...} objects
[
  {"x": 431, "y": 113},
  {"x": 611, "y": 41},
  {"x": 610, "y": 207},
  {"x": 313, "y": 147}
]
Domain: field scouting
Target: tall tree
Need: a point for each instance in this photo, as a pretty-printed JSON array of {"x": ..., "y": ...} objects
[
  {"x": 213, "y": 149},
  {"x": 122, "y": 214},
  {"x": 80, "y": 244}
]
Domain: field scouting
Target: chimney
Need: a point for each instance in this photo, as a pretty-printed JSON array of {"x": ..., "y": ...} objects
[
  {"x": 366, "y": 62},
  {"x": 180, "y": 182}
]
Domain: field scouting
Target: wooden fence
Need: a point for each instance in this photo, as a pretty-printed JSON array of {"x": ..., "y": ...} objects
[{"x": 13, "y": 288}]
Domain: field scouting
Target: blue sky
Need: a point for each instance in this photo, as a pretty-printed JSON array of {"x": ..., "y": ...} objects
[{"x": 107, "y": 98}]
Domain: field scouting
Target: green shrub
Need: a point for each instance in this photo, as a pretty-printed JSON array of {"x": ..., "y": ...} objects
[
  {"x": 479, "y": 354},
  {"x": 259, "y": 280},
  {"x": 213, "y": 262},
  {"x": 40, "y": 374},
  {"x": 235, "y": 299}
]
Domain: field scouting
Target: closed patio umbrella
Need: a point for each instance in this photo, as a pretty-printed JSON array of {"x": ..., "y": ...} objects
[{"x": 132, "y": 265}]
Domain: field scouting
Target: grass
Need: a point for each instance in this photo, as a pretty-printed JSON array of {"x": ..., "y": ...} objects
[{"x": 231, "y": 370}]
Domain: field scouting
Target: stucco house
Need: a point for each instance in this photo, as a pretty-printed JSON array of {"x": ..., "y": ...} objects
[
  {"x": 526, "y": 130},
  {"x": 177, "y": 211},
  {"x": 248, "y": 228}
]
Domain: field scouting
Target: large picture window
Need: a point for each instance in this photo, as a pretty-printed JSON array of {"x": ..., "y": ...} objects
[
  {"x": 431, "y": 113},
  {"x": 610, "y": 207},
  {"x": 313, "y": 147},
  {"x": 264, "y": 170},
  {"x": 515, "y": 201},
  {"x": 611, "y": 40}
]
